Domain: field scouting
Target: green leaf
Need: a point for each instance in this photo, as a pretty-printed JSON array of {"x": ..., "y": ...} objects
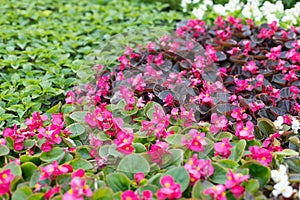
[
  {"x": 139, "y": 147},
  {"x": 54, "y": 109},
  {"x": 238, "y": 150},
  {"x": 149, "y": 109},
  {"x": 118, "y": 182},
  {"x": 266, "y": 126},
  {"x": 21, "y": 193},
  {"x": 286, "y": 152},
  {"x": 259, "y": 172},
  {"x": 81, "y": 163},
  {"x": 175, "y": 139},
  {"x": 76, "y": 129},
  {"x": 176, "y": 157},
  {"x": 103, "y": 193},
  {"x": 78, "y": 116},
  {"x": 28, "y": 169},
  {"x": 132, "y": 164},
  {"x": 228, "y": 163},
  {"x": 4, "y": 150},
  {"x": 199, "y": 187},
  {"x": 54, "y": 154},
  {"x": 15, "y": 168},
  {"x": 36, "y": 196},
  {"x": 252, "y": 186},
  {"x": 293, "y": 163},
  {"x": 84, "y": 152},
  {"x": 180, "y": 176},
  {"x": 219, "y": 175},
  {"x": 222, "y": 135}
]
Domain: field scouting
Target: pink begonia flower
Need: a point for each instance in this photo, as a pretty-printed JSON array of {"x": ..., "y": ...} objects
[
  {"x": 159, "y": 60},
  {"x": 168, "y": 100},
  {"x": 79, "y": 188},
  {"x": 35, "y": 121},
  {"x": 170, "y": 189},
  {"x": 124, "y": 62},
  {"x": 239, "y": 114},
  {"x": 274, "y": 53},
  {"x": 217, "y": 192},
  {"x": 124, "y": 142},
  {"x": 138, "y": 177},
  {"x": 198, "y": 169},
  {"x": 262, "y": 155},
  {"x": 51, "y": 171},
  {"x": 251, "y": 67},
  {"x": 294, "y": 89},
  {"x": 129, "y": 195},
  {"x": 5, "y": 179},
  {"x": 188, "y": 117},
  {"x": 147, "y": 195},
  {"x": 256, "y": 106},
  {"x": 158, "y": 151},
  {"x": 268, "y": 143},
  {"x": 197, "y": 141},
  {"x": 223, "y": 148},
  {"x": 245, "y": 132},
  {"x": 233, "y": 182},
  {"x": 70, "y": 97},
  {"x": 51, "y": 192},
  {"x": 211, "y": 53},
  {"x": 217, "y": 123},
  {"x": 137, "y": 82},
  {"x": 2, "y": 141},
  {"x": 128, "y": 96}
]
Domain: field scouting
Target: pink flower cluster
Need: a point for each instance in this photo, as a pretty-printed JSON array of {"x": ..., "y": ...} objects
[
  {"x": 51, "y": 133},
  {"x": 79, "y": 189},
  {"x": 170, "y": 189},
  {"x": 197, "y": 141},
  {"x": 198, "y": 169},
  {"x": 233, "y": 182},
  {"x": 158, "y": 124}
]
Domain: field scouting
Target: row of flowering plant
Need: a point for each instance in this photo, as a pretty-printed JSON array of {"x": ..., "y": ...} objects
[
  {"x": 259, "y": 11},
  {"x": 205, "y": 113}
]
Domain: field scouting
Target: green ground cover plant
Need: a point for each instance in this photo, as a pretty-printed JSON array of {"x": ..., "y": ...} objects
[
  {"x": 46, "y": 46},
  {"x": 209, "y": 112}
]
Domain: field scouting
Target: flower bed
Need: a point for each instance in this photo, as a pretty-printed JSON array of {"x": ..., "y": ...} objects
[{"x": 208, "y": 112}]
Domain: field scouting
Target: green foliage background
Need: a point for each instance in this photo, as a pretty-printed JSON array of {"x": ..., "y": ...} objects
[{"x": 45, "y": 45}]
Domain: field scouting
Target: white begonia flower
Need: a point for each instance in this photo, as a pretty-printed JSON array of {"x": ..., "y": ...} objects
[
  {"x": 220, "y": 9},
  {"x": 279, "y": 7},
  {"x": 184, "y": 4},
  {"x": 195, "y": 1},
  {"x": 280, "y": 174},
  {"x": 208, "y": 2},
  {"x": 200, "y": 11},
  {"x": 278, "y": 122},
  {"x": 233, "y": 5},
  {"x": 290, "y": 16},
  {"x": 283, "y": 188},
  {"x": 257, "y": 14},
  {"x": 295, "y": 125},
  {"x": 246, "y": 12},
  {"x": 271, "y": 17}
]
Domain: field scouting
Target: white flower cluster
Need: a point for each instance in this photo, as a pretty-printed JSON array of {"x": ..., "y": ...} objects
[
  {"x": 279, "y": 125},
  {"x": 254, "y": 9},
  {"x": 282, "y": 185}
]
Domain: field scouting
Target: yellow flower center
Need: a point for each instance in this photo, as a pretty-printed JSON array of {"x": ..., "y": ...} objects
[
  {"x": 70, "y": 191},
  {"x": 125, "y": 140},
  {"x": 128, "y": 198},
  {"x": 56, "y": 136},
  {"x": 85, "y": 187},
  {"x": 263, "y": 158},
  {"x": 191, "y": 162},
  {"x": 167, "y": 185},
  {"x": 4, "y": 176},
  {"x": 223, "y": 144}
]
